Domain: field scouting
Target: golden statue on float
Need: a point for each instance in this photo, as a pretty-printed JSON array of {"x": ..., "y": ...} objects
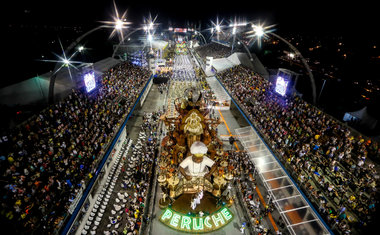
[{"x": 192, "y": 158}]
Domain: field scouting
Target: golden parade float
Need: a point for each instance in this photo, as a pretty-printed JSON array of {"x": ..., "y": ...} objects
[{"x": 194, "y": 175}]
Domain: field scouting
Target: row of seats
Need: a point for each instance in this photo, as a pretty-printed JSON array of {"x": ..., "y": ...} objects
[{"x": 103, "y": 198}]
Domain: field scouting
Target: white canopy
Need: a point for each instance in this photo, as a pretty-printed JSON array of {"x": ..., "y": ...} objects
[{"x": 362, "y": 117}]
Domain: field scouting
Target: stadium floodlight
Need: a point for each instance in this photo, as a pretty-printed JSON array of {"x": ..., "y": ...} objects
[
  {"x": 217, "y": 28},
  {"x": 149, "y": 23},
  {"x": 259, "y": 31},
  {"x": 64, "y": 61},
  {"x": 118, "y": 24},
  {"x": 80, "y": 48},
  {"x": 150, "y": 38}
]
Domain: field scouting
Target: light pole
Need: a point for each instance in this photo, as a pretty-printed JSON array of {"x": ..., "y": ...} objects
[{"x": 320, "y": 93}]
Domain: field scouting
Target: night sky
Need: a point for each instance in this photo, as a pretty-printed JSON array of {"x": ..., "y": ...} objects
[
  {"x": 297, "y": 15},
  {"x": 358, "y": 20}
]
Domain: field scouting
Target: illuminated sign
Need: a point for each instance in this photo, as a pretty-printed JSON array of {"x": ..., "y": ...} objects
[
  {"x": 180, "y": 30},
  {"x": 196, "y": 224},
  {"x": 281, "y": 86},
  {"x": 89, "y": 81}
]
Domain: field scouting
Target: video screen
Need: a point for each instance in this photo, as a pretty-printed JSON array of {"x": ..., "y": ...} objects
[
  {"x": 89, "y": 81},
  {"x": 281, "y": 86}
]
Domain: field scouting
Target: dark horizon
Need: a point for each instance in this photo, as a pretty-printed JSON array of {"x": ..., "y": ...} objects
[{"x": 32, "y": 26}]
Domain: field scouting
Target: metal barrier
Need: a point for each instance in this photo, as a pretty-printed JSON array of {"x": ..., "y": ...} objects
[{"x": 290, "y": 203}]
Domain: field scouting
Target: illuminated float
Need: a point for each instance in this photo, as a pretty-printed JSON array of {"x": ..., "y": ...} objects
[{"x": 194, "y": 176}]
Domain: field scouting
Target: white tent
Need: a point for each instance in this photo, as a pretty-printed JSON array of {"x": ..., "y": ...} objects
[
  {"x": 237, "y": 59},
  {"x": 159, "y": 44},
  {"x": 361, "y": 117},
  {"x": 36, "y": 90}
]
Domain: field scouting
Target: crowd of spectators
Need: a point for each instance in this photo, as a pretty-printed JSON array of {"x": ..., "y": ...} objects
[
  {"x": 45, "y": 161},
  {"x": 245, "y": 174},
  {"x": 331, "y": 164},
  {"x": 214, "y": 50}
]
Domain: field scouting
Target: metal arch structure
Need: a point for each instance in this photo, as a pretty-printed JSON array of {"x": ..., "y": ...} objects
[
  {"x": 68, "y": 49},
  {"x": 204, "y": 39},
  {"x": 246, "y": 48},
  {"x": 122, "y": 41},
  {"x": 251, "y": 58},
  {"x": 298, "y": 53}
]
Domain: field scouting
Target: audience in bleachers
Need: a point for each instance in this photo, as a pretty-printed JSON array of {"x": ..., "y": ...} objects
[
  {"x": 47, "y": 160},
  {"x": 329, "y": 161},
  {"x": 214, "y": 50}
]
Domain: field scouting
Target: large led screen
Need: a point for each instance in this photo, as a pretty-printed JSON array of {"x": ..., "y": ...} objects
[
  {"x": 281, "y": 86},
  {"x": 89, "y": 81}
]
